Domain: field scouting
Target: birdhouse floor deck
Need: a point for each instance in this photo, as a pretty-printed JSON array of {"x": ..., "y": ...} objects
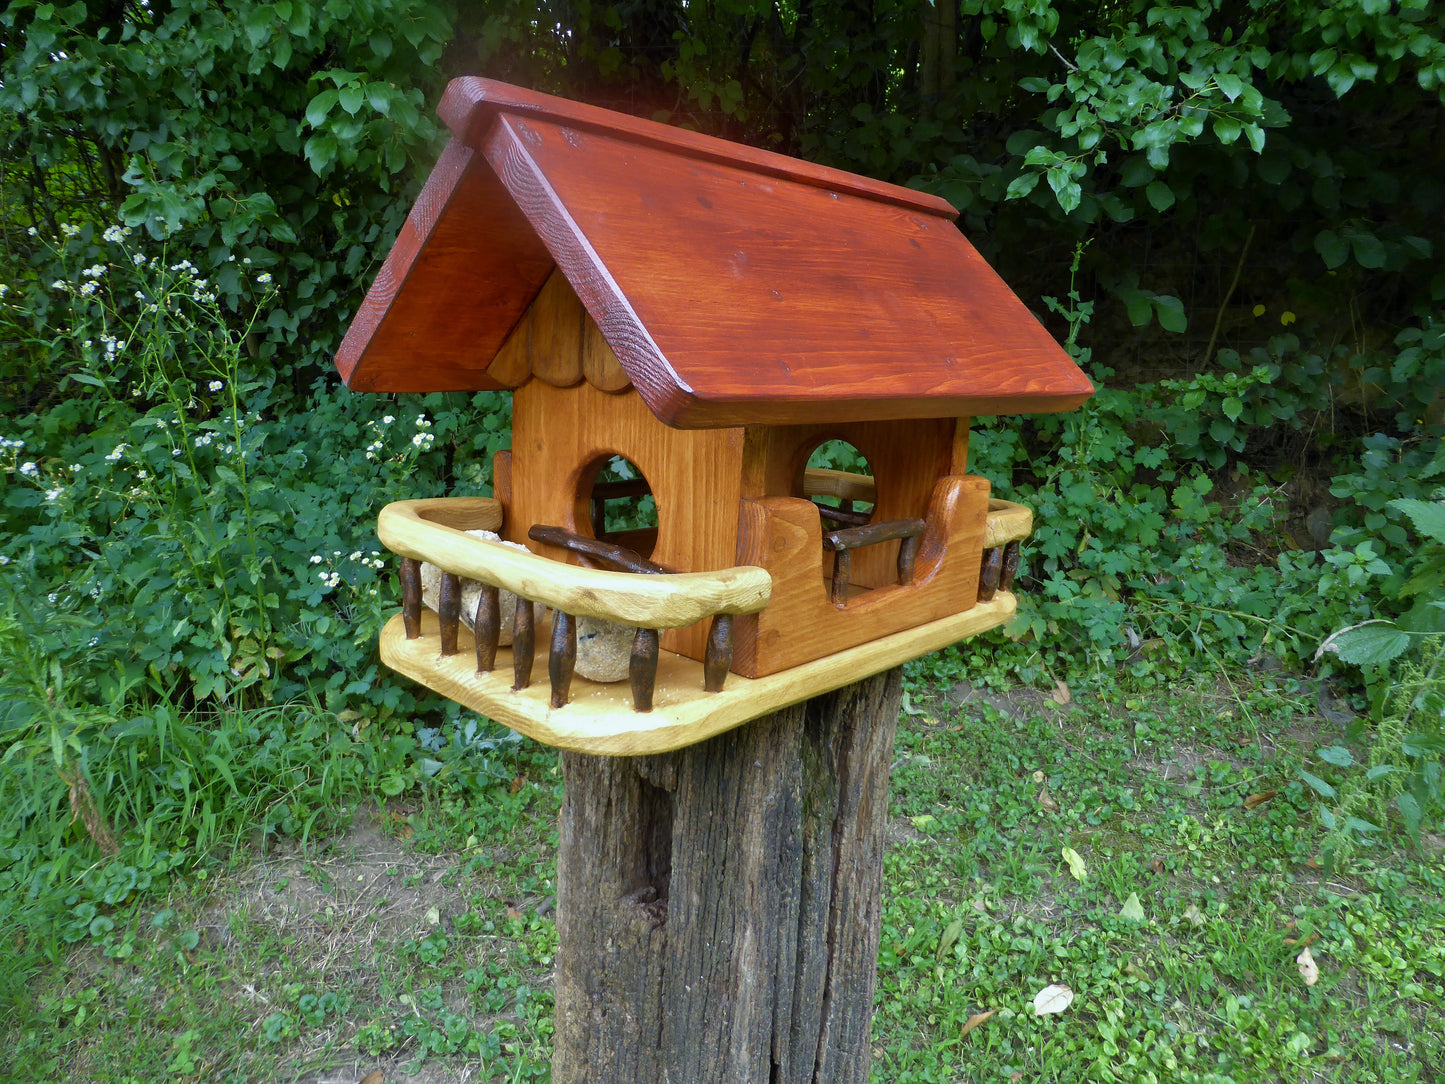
[
  {"x": 672, "y": 700},
  {"x": 600, "y": 718}
]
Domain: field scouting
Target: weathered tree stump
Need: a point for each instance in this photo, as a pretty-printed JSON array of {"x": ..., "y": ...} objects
[{"x": 719, "y": 907}]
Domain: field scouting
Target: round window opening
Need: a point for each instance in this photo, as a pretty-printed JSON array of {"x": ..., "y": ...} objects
[
  {"x": 840, "y": 482},
  {"x": 621, "y": 507}
]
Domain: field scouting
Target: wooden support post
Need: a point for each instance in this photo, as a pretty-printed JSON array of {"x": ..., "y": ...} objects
[
  {"x": 524, "y": 643},
  {"x": 487, "y": 627},
  {"x": 719, "y": 907},
  {"x": 410, "y": 575},
  {"x": 449, "y": 611}
]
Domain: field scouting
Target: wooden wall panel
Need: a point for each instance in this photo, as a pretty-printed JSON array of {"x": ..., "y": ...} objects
[
  {"x": 558, "y": 433},
  {"x": 781, "y": 535}
]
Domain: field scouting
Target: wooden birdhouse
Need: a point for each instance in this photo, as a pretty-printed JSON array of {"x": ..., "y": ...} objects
[{"x": 705, "y": 316}]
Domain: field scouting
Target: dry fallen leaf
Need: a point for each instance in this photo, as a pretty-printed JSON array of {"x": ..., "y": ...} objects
[
  {"x": 1133, "y": 910},
  {"x": 1077, "y": 869},
  {"x": 376, "y": 1076},
  {"x": 975, "y": 1020},
  {"x": 1305, "y": 961},
  {"x": 1304, "y": 942},
  {"x": 1061, "y": 693},
  {"x": 1047, "y": 800},
  {"x": 1014, "y": 1078},
  {"x": 1156, "y": 865},
  {"x": 1193, "y": 916},
  {"x": 1053, "y": 999},
  {"x": 1259, "y": 799},
  {"x": 1038, "y": 776}
]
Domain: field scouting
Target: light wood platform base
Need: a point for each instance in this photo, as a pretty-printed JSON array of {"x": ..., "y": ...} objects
[{"x": 600, "y": 719}]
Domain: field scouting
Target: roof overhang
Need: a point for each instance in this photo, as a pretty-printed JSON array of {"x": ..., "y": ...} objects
[{"x": 735, "y": 286}]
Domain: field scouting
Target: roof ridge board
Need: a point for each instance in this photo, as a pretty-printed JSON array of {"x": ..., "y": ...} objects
[{"x": 471, "y": 102}]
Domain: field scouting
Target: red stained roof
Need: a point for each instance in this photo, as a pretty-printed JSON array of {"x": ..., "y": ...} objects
[{"x": 736, "y": 286}]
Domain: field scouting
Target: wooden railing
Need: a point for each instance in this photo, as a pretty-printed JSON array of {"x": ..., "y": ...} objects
[
  {"x": 1008, "y": 524},
  {"x": 433, "y": 531},
  {"x": 841, "y": 544}
]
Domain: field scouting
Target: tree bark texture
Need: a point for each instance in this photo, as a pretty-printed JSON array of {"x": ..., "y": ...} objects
[{"x": 719, "y": 907}]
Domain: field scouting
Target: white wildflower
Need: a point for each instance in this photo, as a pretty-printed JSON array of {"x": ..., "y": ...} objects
[
  {"x": 32, "y": 231},
  {"x": 58, "y": 284},
  {"x": 75, "y": 468},
  {"x": 137, "y": 259},
  {"x": 94, "y": 271},
  {"x": 4, "y": 560},
  {"x": 215, "y": 385},
  {"x": 53, "y": 494},
  {"x": 264, "y": 278},
  {"x": 4, "y": 289},
  {"x": 142, "y": 475},
  {"x": 88, "y": 288},
  {"x": 69, "y": 229},
  {"x": 114, "y": 234},
  {"x": 316, "y": 558},
  {"x": 387, "y": 420},
  {"x": 116, "y": 452},
  {"x": 30, "y": 470}
]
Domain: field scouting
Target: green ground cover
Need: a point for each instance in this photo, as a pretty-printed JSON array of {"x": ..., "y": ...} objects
[{"x": 414, "y": 935}]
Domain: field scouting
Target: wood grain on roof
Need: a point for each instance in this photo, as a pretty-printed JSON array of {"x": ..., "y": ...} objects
[{"x": 734, "y": 285}]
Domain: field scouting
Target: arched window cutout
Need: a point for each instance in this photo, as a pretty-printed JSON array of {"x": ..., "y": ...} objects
[
  {"x": 839, "y": 480},
  {"x": 621, "y": 507}
]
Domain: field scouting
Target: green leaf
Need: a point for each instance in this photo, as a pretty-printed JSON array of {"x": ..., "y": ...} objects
[
  {"x": 1227, "y": 129},
  {"x": 1160, "y": 195},
  {"x": 1231, "y": 86},
  {"x": 1369, "y": 250},
  {"x": 1318, "y": 785},
  {"x": 1332, "y": 248},
  {"x": 1368, "y": 644},
  {"x": 1022, "y": 185},
  {"x": 378, "y": 99},
  {"x": 1337, "y": 755},
  {"x": 1427, "y": 516},
  {"x": 320, "y": 106},
  {"x": 1171, "y": 313},
  {"x": 1410, "y": 810},
  {"x": 351, "y": 98}
]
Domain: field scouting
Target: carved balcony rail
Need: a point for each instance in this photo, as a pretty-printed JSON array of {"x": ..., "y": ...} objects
[
  {"x": 841, "y": 543},
  {"x": 644, "y": 596},
  {"x": 1008, "y": 524}
]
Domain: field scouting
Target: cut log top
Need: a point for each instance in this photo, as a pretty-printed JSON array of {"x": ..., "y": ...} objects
[{"x": 650, "y": 601}]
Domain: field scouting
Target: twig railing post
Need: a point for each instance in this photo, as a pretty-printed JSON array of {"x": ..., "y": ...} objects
[
  {"x": 487, "y": 627},
  {"x": 562, "y": 656},
  {"x": 524, "y": 643},
  {"x": 409, "y": 572}
]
